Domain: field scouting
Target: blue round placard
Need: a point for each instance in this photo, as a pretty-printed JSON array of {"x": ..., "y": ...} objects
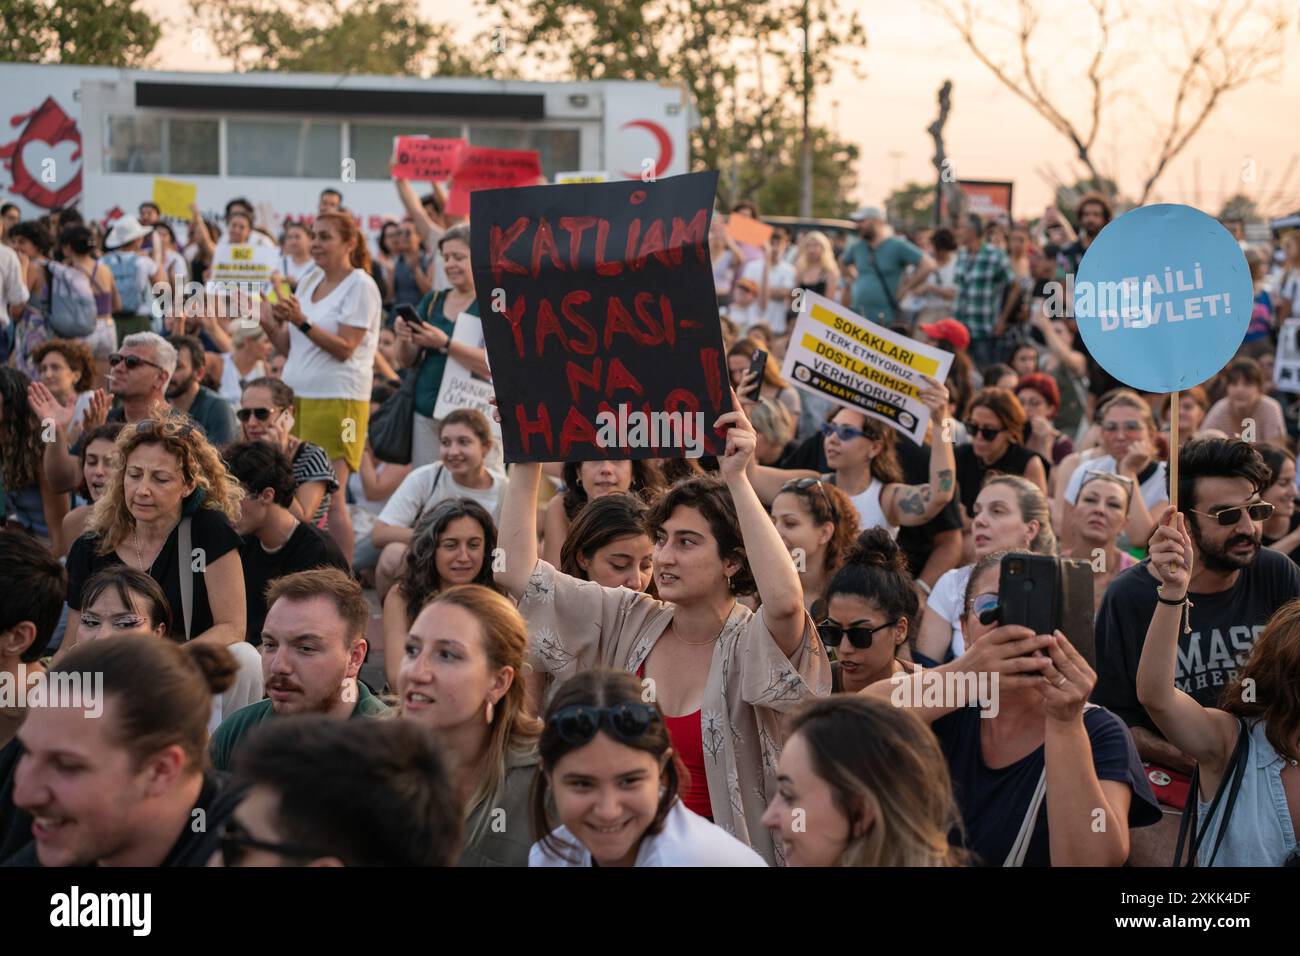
[{"x": 1163, "y": 297}]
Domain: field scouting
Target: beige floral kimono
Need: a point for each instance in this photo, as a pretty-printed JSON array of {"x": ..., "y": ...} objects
[{"x": 576, "y": 625}]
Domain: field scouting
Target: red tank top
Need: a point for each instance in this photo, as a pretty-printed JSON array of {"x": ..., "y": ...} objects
[{"x": 687, "y": 736}]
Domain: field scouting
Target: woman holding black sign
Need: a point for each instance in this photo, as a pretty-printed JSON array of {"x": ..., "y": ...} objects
[
  {"x": 424, "y": 340},
  {"x": 723, "y": 675}
]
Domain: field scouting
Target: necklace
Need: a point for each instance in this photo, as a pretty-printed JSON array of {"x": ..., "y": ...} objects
[
  {"x": 672, "y": 627},
  {"x": 139, "y": 556}
]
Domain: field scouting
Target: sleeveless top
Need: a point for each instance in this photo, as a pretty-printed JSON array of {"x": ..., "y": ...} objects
[
  {"x": 687, "y": 736},
  {"x": 971, "y": 471},
  {"x": 103, "y": 299},
  {"x": 1260, "y": 832},
  {"x": 870, "y": 514}
]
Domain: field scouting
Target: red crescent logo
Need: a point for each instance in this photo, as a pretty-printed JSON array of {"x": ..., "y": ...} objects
[
  {"x": 49, "y": 124},
  {"x": 665, "y": 146}
]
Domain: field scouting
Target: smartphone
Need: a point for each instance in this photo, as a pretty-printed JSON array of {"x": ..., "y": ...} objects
[
  {"x": 1047, "y": 594},
  {"x": 757, "y": 363},
  {"x": 409, "y": 315}
]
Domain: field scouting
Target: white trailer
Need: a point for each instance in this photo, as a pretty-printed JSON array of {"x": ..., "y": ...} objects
[{"x": 98, "y": 137}]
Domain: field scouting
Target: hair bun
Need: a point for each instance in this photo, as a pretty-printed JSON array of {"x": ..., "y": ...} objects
[
  {"x": 875, "y": 547},
  {"x": 217, "y": 664}
]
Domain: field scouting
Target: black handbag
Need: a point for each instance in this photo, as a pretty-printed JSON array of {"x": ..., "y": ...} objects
[
  {"x": 391, "y": 425},
  {"x": 1230, "y": 785}
]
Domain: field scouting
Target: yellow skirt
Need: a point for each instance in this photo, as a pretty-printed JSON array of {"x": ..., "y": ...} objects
[{"x": 336, "y": 424}]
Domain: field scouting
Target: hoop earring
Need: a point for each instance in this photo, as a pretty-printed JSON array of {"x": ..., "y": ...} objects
[{"x": 489, "y": 713}]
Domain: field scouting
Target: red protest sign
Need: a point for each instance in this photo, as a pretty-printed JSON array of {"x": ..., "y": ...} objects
[
  {"x": 427, "y": 159},
  {"x": 482, "y": 168}
]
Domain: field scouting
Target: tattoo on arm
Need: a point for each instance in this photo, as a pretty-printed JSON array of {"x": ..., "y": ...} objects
[
  {"x": 910, "y": 503},
  {"x": 945, "y": 480}
]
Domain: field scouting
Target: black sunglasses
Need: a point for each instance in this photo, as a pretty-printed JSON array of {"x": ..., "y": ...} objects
[
  {"x": 234, "y": 842},
  {"x": 1230, "y": 516},
  {"x": 848, "y": 432},
  {"x": 262, "y": 414},
  {"x": 833, "y": 634},
  {"x": 578, "y": 724},
  {"x": 133, "y": 362},
  {"x": 984, "y": 431},
  {"x": 803, "y": 484}
]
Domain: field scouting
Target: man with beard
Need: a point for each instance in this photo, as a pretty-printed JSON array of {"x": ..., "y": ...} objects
[
  {"x": 188, "y": 394},
  {"x": 1092, "y": 213},
  {"x": 313, "y": 646},
  {"x": 1236, "y": 586},
  {"x": 878, "y": 262}
]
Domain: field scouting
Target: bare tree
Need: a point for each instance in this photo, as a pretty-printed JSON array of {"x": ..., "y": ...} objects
[{"x": 1226, "y": 45}]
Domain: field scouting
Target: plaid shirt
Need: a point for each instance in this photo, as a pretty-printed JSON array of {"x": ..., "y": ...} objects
[{"x": 981, "y": 281}]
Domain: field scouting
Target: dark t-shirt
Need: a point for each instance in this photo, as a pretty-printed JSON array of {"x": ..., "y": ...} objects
[
  {"x": 209, "y": 531},
  {"x": 215, "y": 416},
  {"x": 196, "y": 843},
  {"x": 993, "y": 803},
  {"x": 15, "y": 825},
  {"x": 1225, "y": 627},
  {"x": 971, "y": 471},
  {"x": 917, "y": 542},
  {"x": 1295, "y": 523},
  {"x": 306, "y": 548}
]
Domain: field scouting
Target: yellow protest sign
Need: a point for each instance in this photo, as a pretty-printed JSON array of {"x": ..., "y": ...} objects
[{"x": 173, "y": 197}]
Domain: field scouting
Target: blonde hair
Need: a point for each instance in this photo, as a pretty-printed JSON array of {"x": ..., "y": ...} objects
[
  {"x": 1124, "y": 398},
  {"x": 200, "y": 463},
  {"x": 1033, "y": 507},
  {"x": 514, "y": 731},
  {"x": 828, "y": 263},
  {"x": 883, "y": 764}
]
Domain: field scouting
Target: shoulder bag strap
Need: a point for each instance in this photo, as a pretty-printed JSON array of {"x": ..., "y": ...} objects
[
  {"x": 1238, "y": 767},
  {"x": 183, "y": 548},
  {"x": 1020, "y": 848},
  {"x": 1191, "y": 829},
  {"x": 889, "y": 293},
  {"x": 437, "y": 476}
]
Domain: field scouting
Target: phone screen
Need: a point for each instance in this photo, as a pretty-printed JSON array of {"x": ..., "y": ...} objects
[{"x": 409, "y": 315}]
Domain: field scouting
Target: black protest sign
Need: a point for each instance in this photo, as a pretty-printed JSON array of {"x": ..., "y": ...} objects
[{"x": 600, "y": 318}]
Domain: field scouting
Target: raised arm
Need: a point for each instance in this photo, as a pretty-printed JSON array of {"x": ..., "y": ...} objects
[
  {"x": 58, "y": 463},
  {"x": 1074, "y": 792},
  {"x": 429, "y": 231},
  {"x": 518, "y": 532},
  {"x": 769, "y": 561},
  {"x": 917, "y": 504},
  {"x": 1206, "y": 734}
]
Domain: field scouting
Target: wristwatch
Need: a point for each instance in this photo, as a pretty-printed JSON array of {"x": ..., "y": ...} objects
[{"x": 304, "y": 326}]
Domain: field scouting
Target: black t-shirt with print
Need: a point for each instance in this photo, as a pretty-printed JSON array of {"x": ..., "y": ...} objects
[
  {"x": 1225, "y": 627},
  {"x": 209, "y": 531}
]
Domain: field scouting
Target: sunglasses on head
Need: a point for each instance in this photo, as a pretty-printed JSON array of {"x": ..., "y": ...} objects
[
  {"x": 803, "y": 484},
  {"x": 848, "y": 432},
  {"x": 133, "y": 362},
  {"x": 262, "y": 414},
  {"x": 833, "y": 634},
  {"x": 1227, "y": 517},
  {"x": 986, "y": 432},
  {"x": 579, "y": 723},
  {"x": 164, "y": 428}
]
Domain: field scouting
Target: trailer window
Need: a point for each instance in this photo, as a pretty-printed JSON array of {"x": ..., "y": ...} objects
[
  {"x": 298, "y": 148},
  {"x": 558, "y": 149},
  {"x": 162, "y": 144},
  {"x": 372, "y": 145}
]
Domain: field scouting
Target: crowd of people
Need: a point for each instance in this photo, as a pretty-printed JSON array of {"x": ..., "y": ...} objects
[{"x": 724, "y": 661}]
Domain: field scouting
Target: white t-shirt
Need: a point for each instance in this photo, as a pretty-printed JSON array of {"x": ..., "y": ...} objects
[
  {"x": 1154, "y": 490},
  {"x": 311, "y": 371},
  {"x": 779, "y": 276},
  {"x": 946, "y": 602},
  {"x": 294, "y": 272},
  {"x": 870, "y": 514},
  {"x": 687, "y": 839},
  {"x": 230, "y": 378},
  {"x": 1288, "y": 287},
  {"x": 429, "y": 484}
]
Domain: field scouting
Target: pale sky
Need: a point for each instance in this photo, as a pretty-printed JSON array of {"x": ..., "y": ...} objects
[{"x": 991, "y": 134}]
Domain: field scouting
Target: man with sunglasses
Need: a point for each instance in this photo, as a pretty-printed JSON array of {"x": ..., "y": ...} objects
[
  {"x": 138, "y": 374},
  {"x": 320, "y": 792},
  {"x": 1236, "y": 586}
]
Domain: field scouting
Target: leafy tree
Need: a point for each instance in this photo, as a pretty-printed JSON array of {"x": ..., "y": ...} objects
[
  {"x": 87, "y": 32},
  {"x": 740, "y": 60},
  {"x": 385, "y": 37},
  {"x": 1240, "y": 207},
  {"x": 834, "y": 177},
  {"x": 911, "y": 206}
]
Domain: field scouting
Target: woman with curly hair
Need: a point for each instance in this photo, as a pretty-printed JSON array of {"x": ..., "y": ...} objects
[
  {"x": 585, "y": 481},
  {"x": 452, "y": 544},
  {"x": 817, "y": 522},
  {"x": 168, "y": 510},
  {"x": 29, "y": 500},
  {"x": 67, "y": 369}
]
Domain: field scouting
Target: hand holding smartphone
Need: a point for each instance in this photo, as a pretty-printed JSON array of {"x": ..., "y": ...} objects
[{"x": 757, "y": 365}]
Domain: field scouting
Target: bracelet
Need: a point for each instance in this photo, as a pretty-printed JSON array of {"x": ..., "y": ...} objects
[
  {"x": 1164, "y": 600},
  {"x": 923, "y": 586},
  {"x": 1185, "y": 602}
]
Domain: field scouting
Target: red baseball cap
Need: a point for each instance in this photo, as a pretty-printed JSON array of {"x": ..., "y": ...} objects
[{"x": 948, "y": 330}]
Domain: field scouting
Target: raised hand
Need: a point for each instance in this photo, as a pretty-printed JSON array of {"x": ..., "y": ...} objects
[
  {"x": 934, "y": 396},
  {"x": 1067, "y": 681},
  {"x": 741, "y": 439},
  {"x": 1009, "y": 652},
  {"x": 1171, "y": 555},
  {"x": 46, "y": 406}
]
